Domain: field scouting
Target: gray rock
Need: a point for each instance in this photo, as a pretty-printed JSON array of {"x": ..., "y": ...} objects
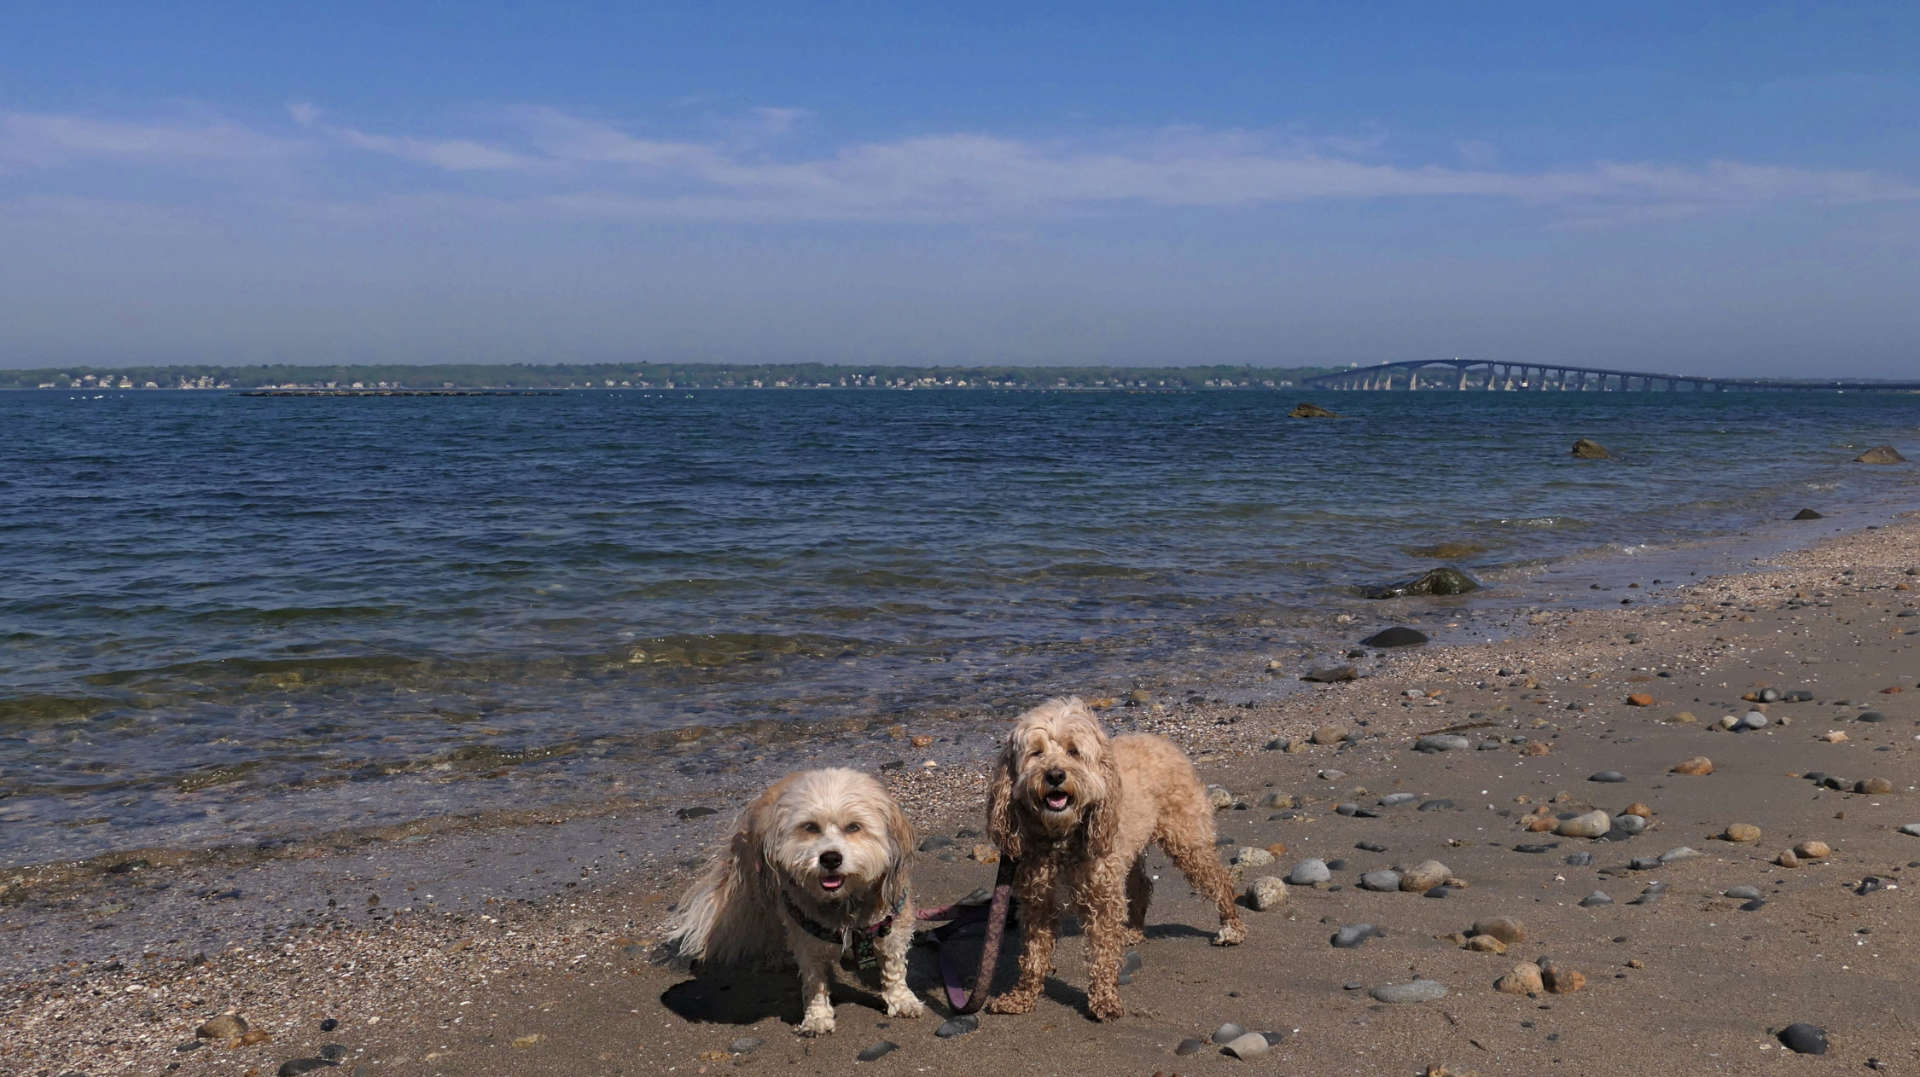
[
  {"x": 1751, "y": 720},
  {"x": 1247, "y": 1045},
  {"x": 1802, "y": 1038},
  {"x": 1869, "y": 716},
  {"x": 878, "y": 1050},
  {"x": 1629, "y": 824},
  {"x": 1644, "y": 863},
  {"x": 1743, "y": 893},
  {"x": 224, "y": 1027},
  {"x": 957, "y": 1026},
  {"x": 294, "y": 1067},
  {"x": 1395, "y": 799},
  {"x": 1331, "y": 675},
  {"x": 933, "y": 843},
  {"x": 1352, "y": 935},
  {"x": 1442, "y": 742},
  {"x": 1754, "y": 905},
  {"x": 1683, "y": 852},
  {"x": 1912, "y": 829},
  {"x": 1598, "y": 897},
  {"x": 1189, "y": 1046},
  {"x": 1228, "y": 1032},
  {"x": 1252, "y": 856},
  {"x": 1397, "y": 636},
  {"x": 1310, "y": 872},
  {"x": 1382, "y": 880},
  {"x": 1436, "y": 804},
  {"x": 1579, "y": 860},
  {"x": 1607, "y": 776},
  {"x": 1585, "y": 449},
  {"x": 1444, "y": 580},
  {"x": 1267, "y": 892},
  {"x": 1415, "y": 991}
]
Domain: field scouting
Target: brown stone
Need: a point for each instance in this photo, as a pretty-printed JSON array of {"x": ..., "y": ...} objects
[
  {"x": 1637, "y": 808},
  {"x": 1873, "y": 786},
  {"x": 1813, "y": 850},
  {"x": 1787, "y": 859},
  {"x": 1486, "y": 944},
  {"x": 1563, "y": 981},
  {"x": 1278, "y": 848},
  {"x": 1640, "y": 699},
  {"x": 922, "y": 741},
  {"x": 1505, "y": 928},
  {"x": 1423, "y": 877},
  {"x": 1525, "y": 979},
  {"x": 1540, "y": 824},
  {"x": 254, "y": 1036},
  {"x": 1329, "y": 735},
  {"x": 1536, "y": 747},
  {"x": 1834, "y": 736},
  {"x": 1741, "y": 833},
  {"x": 227, "y": 1026},
  {"x": 1699, "y": 764}
]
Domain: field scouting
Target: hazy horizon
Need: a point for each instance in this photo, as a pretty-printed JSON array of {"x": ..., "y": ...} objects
[{"x": 1718, "y": 189}]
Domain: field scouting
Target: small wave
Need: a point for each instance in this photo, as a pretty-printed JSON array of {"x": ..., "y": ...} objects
[
  {"x": 35, "y": 709},
  {"x": 291, "y": 614}
]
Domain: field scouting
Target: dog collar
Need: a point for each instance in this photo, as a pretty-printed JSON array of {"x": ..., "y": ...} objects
[{"x": 818, "y": 930}]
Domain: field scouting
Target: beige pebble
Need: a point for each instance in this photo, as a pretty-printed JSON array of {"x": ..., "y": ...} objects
[
  {"x": 1741, "y": 832},
  {"x": 1813, "y": 850}
]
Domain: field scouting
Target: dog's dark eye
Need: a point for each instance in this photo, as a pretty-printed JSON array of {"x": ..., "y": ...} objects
[
  {"x": 1035, "y": 754},
  {"x": 1074, "y": 752},
  {"x": 811, "y": 828},
  {"x": 853, "y": 828}
]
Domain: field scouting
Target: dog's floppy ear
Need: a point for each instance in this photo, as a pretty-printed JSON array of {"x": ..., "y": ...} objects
[
  {"x": 900, "y": 838},
  {"x": 1103, "y": 817},
  {"x": 1002, "y": 826}
]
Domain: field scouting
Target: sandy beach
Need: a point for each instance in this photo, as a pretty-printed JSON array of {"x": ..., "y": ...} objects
[{"x": 339, "y": 954}]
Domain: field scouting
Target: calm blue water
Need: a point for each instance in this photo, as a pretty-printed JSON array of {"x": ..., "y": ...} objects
[{"x": 221, "y": 613}]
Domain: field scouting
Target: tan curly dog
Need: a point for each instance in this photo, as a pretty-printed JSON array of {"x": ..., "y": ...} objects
[{"x": 1075, "y": 811}]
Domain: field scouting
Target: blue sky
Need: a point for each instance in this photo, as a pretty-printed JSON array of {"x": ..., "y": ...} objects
[{"x": 1711, "y": 188}]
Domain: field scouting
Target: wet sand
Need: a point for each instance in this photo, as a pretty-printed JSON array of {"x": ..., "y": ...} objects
[{"x": 521, "y": 947}]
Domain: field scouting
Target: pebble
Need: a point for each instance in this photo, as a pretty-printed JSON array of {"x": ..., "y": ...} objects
[
  {"x": 1247, "y": 1045},
  {"x": 1525, "y": 979},
  {"x": 1652, "y": 894},
  {"x": 745, "y": 1045},
  {"x": 1376, "y": 847},
  {"x": 1802, "y": 1038},
  {"x": 1629, "y": 824},
  {"x": 1382, "y": 880},
  {"x": 1267, "y": 892},
  {"x": 1189, "y": 1046},
  {"x": 1812, "y": 850},
  {"x": 957, "y": 1026},
  {"x": 1310, "y": 872},
  {"x": 1228, "y": 1032},
  {"x": 1911, "y": 829},
  {"x": 1591, "y": 825},
  {"x": 1279, "y": 800},
  {"x": 329, "y": 1024},
  {"x": 1397, "y": 636},
  {"x": 1395, "y": 799},
  {"x": 1415, "y": 991},
  {"x": 1754, "y": 905},
  {"x": 1219, "y": 797},
  {"x": 1486, "y": 944},
  {"x": 1532, "y": 847},
  {"x": 294, "y": 1067},
  {"x": 1683, "y": 852},
  {"x": 1870, "y": 716},
  {"x": 1424, "y": 876},
  {"x": 1598, "y": 897},
  {"x": 878, "y": 1050},
  {"x": 1741, "y": 833},
  {"x": 1252, "y": 856},
  {"x": 1437, "y": 804},
  {"x": 1750, "y": 720},
  {"x": 1742, "y": 893},
  {"x": 1329, "y": 735},
  {"x": 227, "y": 1026},
  {"x": 1442, "y": 742},
  {"x": 1696, "y": 766},
  {"x": 1579, "y": 860},
  {"x": 1352, "y": 935},
  {"x": 1562, "y": 981},
  {"x": 1873, "y": 786},
  {"x": 1607, "y": 776},
  {"x": 1505, "y": 928}
]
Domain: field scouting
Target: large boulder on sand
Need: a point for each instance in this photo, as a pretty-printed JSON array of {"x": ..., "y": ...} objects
[
  {"x": 1880, "y": 454},
  {"x": 1445, "y": 580},
  {"x": 1590, "y": 450},
  {"x": 1310, "y": 411}
]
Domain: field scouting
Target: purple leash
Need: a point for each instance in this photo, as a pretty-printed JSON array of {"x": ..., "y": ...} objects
[{"x": 962, "y": 999}]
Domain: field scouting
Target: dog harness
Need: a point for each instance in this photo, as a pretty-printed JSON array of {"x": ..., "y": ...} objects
[{"x": 863, "y": 938}]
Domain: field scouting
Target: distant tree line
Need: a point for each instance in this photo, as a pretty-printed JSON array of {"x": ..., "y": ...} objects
[{"x": 657, "y": 376}]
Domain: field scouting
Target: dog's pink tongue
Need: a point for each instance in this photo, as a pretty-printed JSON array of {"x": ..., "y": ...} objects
[
  {"x": 831, "y": 882},
  {"x": 1056, "y": 800}
]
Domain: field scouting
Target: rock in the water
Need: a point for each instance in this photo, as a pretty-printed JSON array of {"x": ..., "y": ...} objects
[
  {"x": 1805, "y": 1039},
  {"x": 1382, "y": 880},
  {"x": 1267, "y": 892},
  {"x": 1741, "y": 833},
  {"x": 878, "y": 1050},
  {"x": 1591, "y": 825},
  {"x": 1397, "y": 636},
  {"x": 1310, "y": 872},
  {"x": 1414, "y": 991},
  {"x": 957, "y": 1026},
  {"x": 227, "y": 1026},
  {"x": 1584, "y": 449},
  {"x": 1444, "y": 580},
  {"x": 1698, "y": 765},
  {"x": 1880, "y": 454},
  {"x": 1331, "y": 675},
  {"x": 1246, "y": 1045},
  {"x": 1807, "y": 514},
  {"x": 1310, "y": 411},
  {"x": 1525, "y": 979},
  {"x": 1352, "y": 935},
  {"x": 1607, "y": 776},
  {"x": 1442, "y": 742},
  {"x": 1505, "y": 928},
  {"x": 1424, "y": 876}
]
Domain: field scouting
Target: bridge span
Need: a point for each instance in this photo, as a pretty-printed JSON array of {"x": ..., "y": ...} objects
[{"x": 1487, "y": 374}]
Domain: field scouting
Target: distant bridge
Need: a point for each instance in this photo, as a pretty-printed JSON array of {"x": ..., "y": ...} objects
[{"x": 1486, "y": 374}]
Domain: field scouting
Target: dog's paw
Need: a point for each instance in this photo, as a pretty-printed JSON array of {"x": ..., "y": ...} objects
[
  {"x": 817, "y": 1022},
  {"x": 905, "y": 1005},
  {"x": 1230, "y": 935},
  {"x": 1106, "y": 1005},
  {"x": 1013, "y": 1004}
]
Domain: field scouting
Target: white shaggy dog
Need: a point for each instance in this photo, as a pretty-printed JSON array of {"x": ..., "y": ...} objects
[{"x": 817, "y": 866}]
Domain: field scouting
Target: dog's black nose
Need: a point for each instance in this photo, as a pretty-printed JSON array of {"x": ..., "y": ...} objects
[
  {"x": 1056, "y": 776},
  {"x": 830, "y": 860}
]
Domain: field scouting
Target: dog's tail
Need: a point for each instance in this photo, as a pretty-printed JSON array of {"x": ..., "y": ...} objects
[{"x": 729, "y": 915}]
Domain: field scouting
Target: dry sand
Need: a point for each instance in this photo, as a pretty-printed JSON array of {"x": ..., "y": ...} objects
[{"x": 1689, "y": 983}]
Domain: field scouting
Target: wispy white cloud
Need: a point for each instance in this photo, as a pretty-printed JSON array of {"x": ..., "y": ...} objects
[{"x": 574, "y": 165}]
